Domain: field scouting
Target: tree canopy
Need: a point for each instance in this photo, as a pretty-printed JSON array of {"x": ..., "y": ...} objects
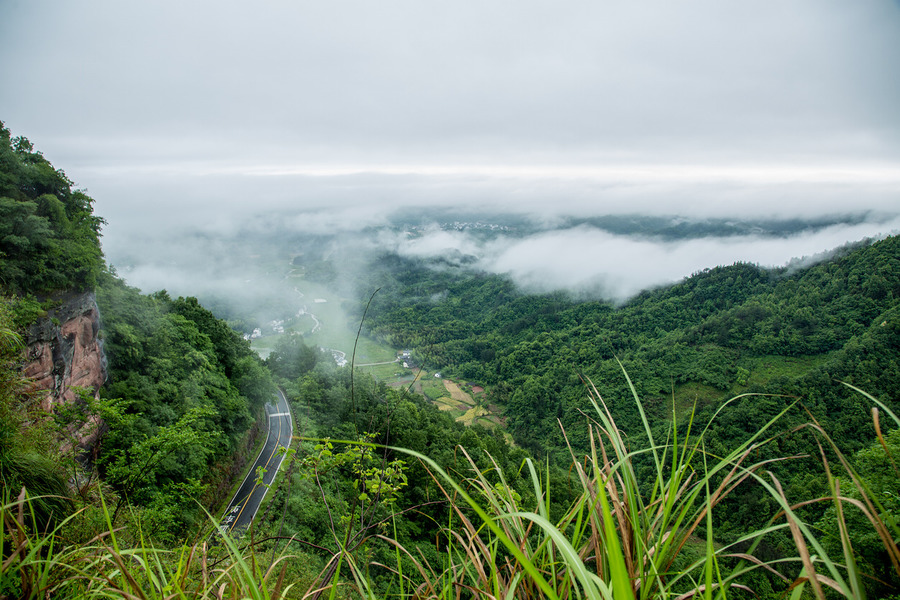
[{"x": 49, "y": 236}]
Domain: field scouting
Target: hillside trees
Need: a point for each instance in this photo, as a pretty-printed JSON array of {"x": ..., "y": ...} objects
[
  {"x": 292, "y": 358},
  {"x": 386, "y": 416},
  {"x": 183, "y": 387},
  {"x": 49, "y": 243},
  {"x": 49, "y": 236},
  {"x": 791, "y": 333},
  {"x": 188, "y": 385},
  {"x": 716, "y": 329}
]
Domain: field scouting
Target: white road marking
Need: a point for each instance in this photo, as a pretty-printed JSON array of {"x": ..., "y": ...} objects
[{"x": 239, "y": 508}]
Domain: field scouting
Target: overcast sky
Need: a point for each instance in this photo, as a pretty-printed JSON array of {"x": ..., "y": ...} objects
[{"x": 200, "y": 113}]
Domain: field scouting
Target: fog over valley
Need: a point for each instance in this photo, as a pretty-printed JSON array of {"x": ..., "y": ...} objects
[
  {"x": 608, "y": 256},
  {"x": 612, "y": 147},
  {"x": 595, "y": 237}
]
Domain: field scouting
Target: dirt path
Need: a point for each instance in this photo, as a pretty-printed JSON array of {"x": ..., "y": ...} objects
[{"x": 387, "y": 362}]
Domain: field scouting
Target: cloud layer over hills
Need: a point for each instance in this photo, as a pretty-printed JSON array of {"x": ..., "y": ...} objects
[{"x": 217, "y": 118}]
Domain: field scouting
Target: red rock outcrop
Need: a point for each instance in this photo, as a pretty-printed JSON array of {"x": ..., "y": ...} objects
[{"x": 65, "y": 351}]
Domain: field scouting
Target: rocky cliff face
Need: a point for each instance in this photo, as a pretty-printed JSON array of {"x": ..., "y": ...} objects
[{"x": 64, "y": 351}]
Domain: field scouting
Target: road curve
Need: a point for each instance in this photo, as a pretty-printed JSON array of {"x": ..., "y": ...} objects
[{"x": 242, "y": 508}]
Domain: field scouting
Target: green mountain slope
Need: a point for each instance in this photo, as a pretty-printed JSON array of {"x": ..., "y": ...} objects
[
  {"x": 49, "y": 236},
  {"x": 722, "y": 331},
  {"x": 183, "y": 388}
]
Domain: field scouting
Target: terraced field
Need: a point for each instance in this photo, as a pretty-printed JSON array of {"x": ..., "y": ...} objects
[{"x": 449, "y": 396}]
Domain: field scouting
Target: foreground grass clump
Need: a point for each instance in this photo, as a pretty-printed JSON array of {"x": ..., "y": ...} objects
[
  {"x": 40, "y": 564},
  {"x": 625, "y": 537},
  {"x": 616, "y": 541}
]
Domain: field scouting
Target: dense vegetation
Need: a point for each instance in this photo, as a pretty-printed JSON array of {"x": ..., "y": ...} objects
[
  {"x": 49, "y": 243},
  {"x": 775, "y": 335},
  {"x": 182, "y": 393},
  {"x": 183, "y": 388},
  {"x": 362, "y": 492},
  {"x": 721, "y": 332},
  {"x": 49, "y": 236}
]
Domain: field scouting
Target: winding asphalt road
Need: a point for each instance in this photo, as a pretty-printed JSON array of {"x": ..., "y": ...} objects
[{"x": 246, "y": 501}]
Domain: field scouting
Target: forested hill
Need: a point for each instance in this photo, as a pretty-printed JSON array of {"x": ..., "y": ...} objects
[
  {"x": 718, "y": 333},
  {"x": 170, "y": 427},
  {"x": 49, "y": 236}
]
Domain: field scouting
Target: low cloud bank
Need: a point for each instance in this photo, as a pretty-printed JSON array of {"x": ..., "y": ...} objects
[
  {"x": 191, "y": 235},
  {"x": 590, "y": 262},
  {"x": 583, "y": 260}
]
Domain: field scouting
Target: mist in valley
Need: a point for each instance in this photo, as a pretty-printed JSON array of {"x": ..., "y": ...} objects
[
  {"x": 591, "y": 148},
  {"x": 264, "y": 267}
]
